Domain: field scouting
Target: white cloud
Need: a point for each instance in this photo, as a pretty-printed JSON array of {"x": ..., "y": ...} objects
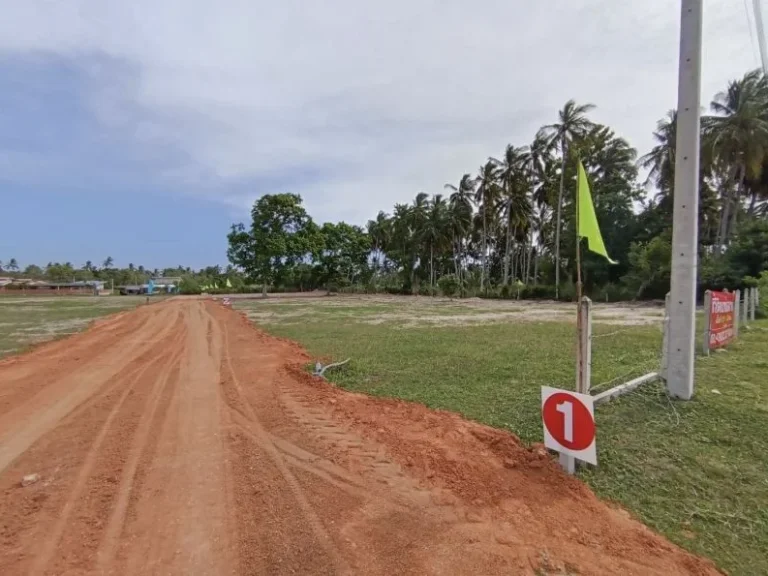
[{"x": 376, "y": 101}]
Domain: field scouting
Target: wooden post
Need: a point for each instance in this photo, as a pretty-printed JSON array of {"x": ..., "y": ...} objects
[
  {"x": 752, "y": 301},
  {"x": 584, "y": 362},
  {"x": 707, "y": 310},
  {"x": 736, "y": 303},
  {"x": 665, "y": 340}
]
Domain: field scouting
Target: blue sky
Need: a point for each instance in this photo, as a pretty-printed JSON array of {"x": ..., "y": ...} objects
[{"x": 142, "y": 130}]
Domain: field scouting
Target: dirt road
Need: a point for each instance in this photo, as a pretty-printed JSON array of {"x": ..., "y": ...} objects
[{"x": 177, "y": 439}]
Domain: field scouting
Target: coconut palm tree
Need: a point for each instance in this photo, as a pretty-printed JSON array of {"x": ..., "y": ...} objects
[
  {"x": 434, "y": 232},
  {"x": 572, "y": 124},
  {"x": 460, "y": 217},
  {"x": 379, "y": 232},
  {"x": 660, "y": 161},
  {"x": 487, "y": 195},
  {"x": 515, "y": 206},
  {"x": 737, "y": 135}
]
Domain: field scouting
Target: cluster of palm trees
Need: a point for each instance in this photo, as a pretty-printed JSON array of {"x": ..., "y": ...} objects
[
  {"x": 734, "y": 157},
  {"x": 500, "y": 224},
  {"x": 501, "y": 218}
]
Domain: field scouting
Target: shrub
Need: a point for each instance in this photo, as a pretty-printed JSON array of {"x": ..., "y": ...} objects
[
  {"x": 449, "y": 285},
  {"x": 538, "y": 292}
]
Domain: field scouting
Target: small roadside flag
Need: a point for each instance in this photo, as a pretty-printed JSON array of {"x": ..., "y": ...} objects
[
  {"x": 588, "y": 227},
  {"x": 229, "y": 284}
]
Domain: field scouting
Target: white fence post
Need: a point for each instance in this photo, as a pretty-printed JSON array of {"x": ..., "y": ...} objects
[
  {"x": 736, "y": 303},
  {"x": 752, "y": 300},
  {"x": 707, "y": 309},
  {"x": 665, "y": 340},
  {"x": 745, "y": 307}
]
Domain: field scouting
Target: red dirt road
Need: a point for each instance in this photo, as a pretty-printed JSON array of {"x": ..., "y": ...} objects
[{"x": 177, "y": 439}]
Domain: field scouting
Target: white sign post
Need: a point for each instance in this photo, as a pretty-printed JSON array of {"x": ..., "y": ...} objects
[{"x": 569, "y": 425}]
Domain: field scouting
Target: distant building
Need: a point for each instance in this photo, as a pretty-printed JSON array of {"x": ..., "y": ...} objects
[
  {"x": 132, "y": 289},
  {"x": 29, "y": 287}
]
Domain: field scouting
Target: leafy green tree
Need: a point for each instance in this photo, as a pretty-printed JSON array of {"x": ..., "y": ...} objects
[
  {"x": 33, "y": 271},
  {"x": 281, "y": 233},
  {"x": 343, "y": 258},
  {"x": 650, "y": 265}
]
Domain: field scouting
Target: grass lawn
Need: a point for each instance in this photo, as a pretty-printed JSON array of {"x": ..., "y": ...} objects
[
  {"x": 696, "y": 471},
  {"x": 26, "y": 320}
]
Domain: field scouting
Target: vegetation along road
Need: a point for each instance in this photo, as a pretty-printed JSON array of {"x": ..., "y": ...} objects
[{"x": 178, "y": 439}]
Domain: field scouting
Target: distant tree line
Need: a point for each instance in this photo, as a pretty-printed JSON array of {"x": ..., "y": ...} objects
[
  {"x": 509, "y": 229},
  {"x": 215, "y": 278}
]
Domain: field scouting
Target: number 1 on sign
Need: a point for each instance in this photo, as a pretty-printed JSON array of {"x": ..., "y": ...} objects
[{"x": 566, "y": 409}]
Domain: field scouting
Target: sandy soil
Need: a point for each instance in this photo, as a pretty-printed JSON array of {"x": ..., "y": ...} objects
[
  {"x": 420, "y": 311},
  {"x": 177, "y": 439}
]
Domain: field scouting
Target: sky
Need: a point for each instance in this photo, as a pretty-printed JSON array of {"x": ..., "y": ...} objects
[{"x": 142, "y": 130}]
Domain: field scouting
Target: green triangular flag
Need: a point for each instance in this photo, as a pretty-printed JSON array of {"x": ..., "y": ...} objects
[
  {"x": 229, "y": 284},
  {"x": 588, "y": 227}
]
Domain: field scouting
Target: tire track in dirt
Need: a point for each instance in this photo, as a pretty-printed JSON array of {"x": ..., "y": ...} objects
[
  {"x": 262, "y": 439},
  {"x": 22, "y": 426},
  {"x": 52, "y": 541},
  {"x": 179, "y": 524},
  {"x": 151, "y": 419},
  {"x": 56, "y": 503}
]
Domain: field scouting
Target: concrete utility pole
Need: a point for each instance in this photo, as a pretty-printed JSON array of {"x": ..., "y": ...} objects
[
  {"x": 758, "y": 9},
  {"x": 685, "y": 224}
]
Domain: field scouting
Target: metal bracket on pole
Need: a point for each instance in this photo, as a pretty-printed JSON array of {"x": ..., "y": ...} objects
[
  {"x": 736, "y": 304},
  {"x": 685, "y": 216},
  {"x": 707, "y": 318}
]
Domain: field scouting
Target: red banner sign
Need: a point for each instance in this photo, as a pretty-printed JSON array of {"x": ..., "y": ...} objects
[{"x": 721, "y": 312}]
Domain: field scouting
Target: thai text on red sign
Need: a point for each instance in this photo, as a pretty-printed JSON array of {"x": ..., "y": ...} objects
[{"x": 721, "y": 312}]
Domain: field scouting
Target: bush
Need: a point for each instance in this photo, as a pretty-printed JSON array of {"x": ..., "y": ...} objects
[
  {"x": 612, "y": 293},
  {"x": 449, "y": 285},
  {"x": 538, "y": 292}
]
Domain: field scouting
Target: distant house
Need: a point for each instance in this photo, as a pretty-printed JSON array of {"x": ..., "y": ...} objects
[
  {"x": 29, "y": 287},
  {"x": 164, "y": 285},
  {"x": 132, "y": 289}
]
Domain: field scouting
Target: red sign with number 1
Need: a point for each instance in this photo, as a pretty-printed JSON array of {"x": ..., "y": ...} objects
[{"x": 569, "y": 423}]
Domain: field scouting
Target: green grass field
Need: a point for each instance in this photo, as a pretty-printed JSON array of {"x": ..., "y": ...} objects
[
  {"x": 28, "y": 321},
  {"x": 696, "y": 471}
]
